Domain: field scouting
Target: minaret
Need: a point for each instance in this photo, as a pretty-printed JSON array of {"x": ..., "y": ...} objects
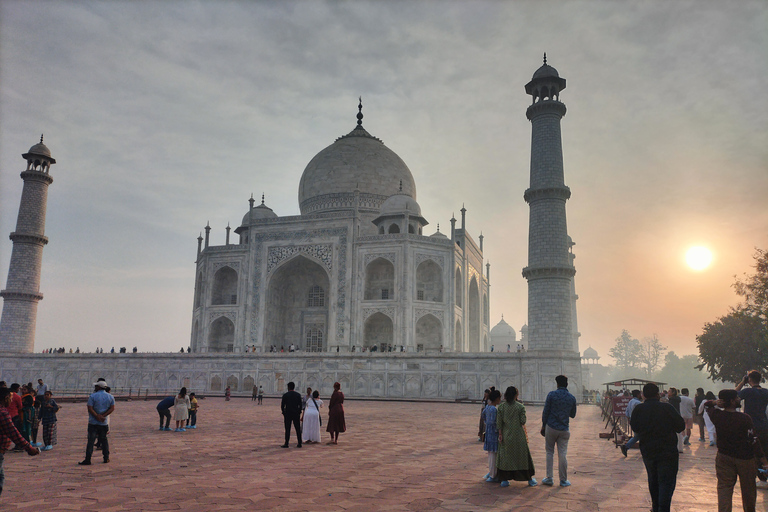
[
  {"x": 22, "y": 288},
  {"x": 549, "y": 271}
]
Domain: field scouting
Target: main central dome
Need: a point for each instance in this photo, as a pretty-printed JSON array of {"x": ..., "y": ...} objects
[{"x": 357, "y": 161}]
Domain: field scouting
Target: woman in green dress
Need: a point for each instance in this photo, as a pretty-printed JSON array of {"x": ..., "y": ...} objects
[{"x": 513, "y": 460}]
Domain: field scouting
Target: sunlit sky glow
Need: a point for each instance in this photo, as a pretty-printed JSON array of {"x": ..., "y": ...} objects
[{"x": 165, "y": 115}]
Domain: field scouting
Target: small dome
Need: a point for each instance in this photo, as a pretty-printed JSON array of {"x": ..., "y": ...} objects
[
  {"x": 503, "y": 330},
  {"x": 260, "y": 212},
  {"x": 400, "y": 203},
  {"x": 40, "y": 149},
  {"x": 546, "y": 71},
  {"x": 590, "y": 353},
  {"x": 524, "y": 328},
  {"x": 438, "y": 234}
]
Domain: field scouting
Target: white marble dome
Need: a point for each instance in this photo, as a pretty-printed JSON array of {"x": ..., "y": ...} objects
[
  {"x": 400, "y": 203},
  {"x": 503, "y": 331},
  {"x": 260, "y": 212},
  {"x": 356, "y": 161}
]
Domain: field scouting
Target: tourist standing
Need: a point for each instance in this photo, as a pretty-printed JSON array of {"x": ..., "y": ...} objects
[
  {"x": 311, "y": 421},
  {"x": 674, "y": 399},
  {"x": 254, "y": 393},
  {"x": 513, "y": 460},
  {"x": 8, "y": 433},
  {"x": 164, "y": 411},
  {"x": 41, "y": 389},
  {"x": 261, "y": 394},
  {"x": 336, "y": 423},
  {"x": 100, "y": 405},
  {"x": 737, "y": 449},
  {"x": 491, "y": 444},
  {"x": 48, "y": 410},
  {"x": 481, "y": 425},
  {"x": 559, "y": 407},
  {"x": 634, "y": 402},
  {"x": 27, "y": 417},
  {"x": 227, "y": 394},
  {"x": 699, "y": 417},
  {"x": 193, "y": 407},
  {"x": 708, "y": 422},
  {"x": 687, "y": 407},
  {"x": 755, "y": 403},
  {"x": 15, "y": 407},
  {"x": 181, "y": 409},
  {"x": 291, "y": 408},
  {"x": 657, "y": 424}
]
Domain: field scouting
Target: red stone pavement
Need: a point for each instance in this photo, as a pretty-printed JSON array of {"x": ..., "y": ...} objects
[{"x": 407, "y": 456}]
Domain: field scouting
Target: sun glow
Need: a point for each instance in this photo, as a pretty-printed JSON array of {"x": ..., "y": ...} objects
[{"x": 698, "y": 258}]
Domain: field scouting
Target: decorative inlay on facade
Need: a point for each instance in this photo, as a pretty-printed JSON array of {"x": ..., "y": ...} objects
[
  {"x": 390, "y": 312},
  {"x": 472, "y": 272},
  {"x": 257, "y": 240},
  {"x": 406, "y": 236},
  {"x": 421, "y": 258},
  {"x": 320, "y": 252},
  {"x": 389, "y": 256},
  {"x": 213, "y": 315},
  {"x": 365, "y": 201},
  {"x": 420, "y": 312},
  {"x": 234, "y": 265}
]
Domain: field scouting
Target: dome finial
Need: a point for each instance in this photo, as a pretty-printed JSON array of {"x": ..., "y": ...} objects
[
  {"x": 401, "y": 186},
  {"x": 545, "y": 58},
  {"x": 41, "y": 138},
  {"x": 438, "y": 227},
  {"x": 360, "y": 112},
  {"x": 262, "y": 198}
]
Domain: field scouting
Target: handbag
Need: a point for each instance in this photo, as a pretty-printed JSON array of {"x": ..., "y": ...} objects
[{"x": 318, "y": 411}]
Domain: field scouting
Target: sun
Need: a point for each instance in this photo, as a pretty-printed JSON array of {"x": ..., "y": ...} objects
[{"x": 698, "y": 258}]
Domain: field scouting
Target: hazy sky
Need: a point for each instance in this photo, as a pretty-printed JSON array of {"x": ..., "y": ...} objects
[{"x": 165, "y": 115}]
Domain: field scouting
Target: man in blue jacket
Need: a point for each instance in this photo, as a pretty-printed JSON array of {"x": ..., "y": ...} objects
[
  {"x": 558, "y": 409},
  {"x": 657, "y": 424},
  {"x": 164, "y": 411}
]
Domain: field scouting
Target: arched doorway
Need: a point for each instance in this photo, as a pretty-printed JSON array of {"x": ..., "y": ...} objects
[
  {"x": 429, "y": 282},
  {"x": 224, "y": 287},
  {"x": 297, "y": 305},
  {"x": 474, "y": 316},
  {"x": 429, "y": 333},
  {"x": 378, "y": 332},
  {"x": 222, "y": 335},
  {"x": 380, "y": 280}
]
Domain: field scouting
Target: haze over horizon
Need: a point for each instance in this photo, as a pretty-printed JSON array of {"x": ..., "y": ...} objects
[{"x": 163, "y": 116}]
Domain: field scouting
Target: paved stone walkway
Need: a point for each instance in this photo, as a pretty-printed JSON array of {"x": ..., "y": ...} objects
[{"x": 395, "y": 456}]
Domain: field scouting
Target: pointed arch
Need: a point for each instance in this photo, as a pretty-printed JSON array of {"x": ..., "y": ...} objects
[
  {"x": 380, "y": 280},
  {"x": 378, "y": 331},
  {"x": 429, "y": 281},
  {"x": 221, "y": 337},
  {"x": 429, "y": 333},
  {"x": 224, "y": 287},
  {"x": 296, "y": 303},
  {"x": 458, "y": 338},
  {"x": 199, "y": 290},
  {"x": 473, "y": 335},
  {"x": 394, "y": 228},
  {"x": 459, "y": 287}
]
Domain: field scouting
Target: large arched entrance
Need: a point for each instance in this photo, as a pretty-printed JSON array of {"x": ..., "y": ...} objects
[
  {"x": 429, "y": 282},
  {"x": 378, "y": 332},
  {"x": 297, "y": 306}
]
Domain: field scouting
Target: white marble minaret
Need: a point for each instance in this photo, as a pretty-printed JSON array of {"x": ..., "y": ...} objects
[
  {"x": 550, "y": 270},
  {"x": 22, "y": 289}
]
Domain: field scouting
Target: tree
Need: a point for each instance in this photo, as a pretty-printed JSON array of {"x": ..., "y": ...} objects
[
  {"x": 732, "y": 345},
  {"x": 738, "y": 342},
  {"x": 651, "y": 351},
  {"x": 626, "y": 351},
  {"x": 682, "y": 372}
]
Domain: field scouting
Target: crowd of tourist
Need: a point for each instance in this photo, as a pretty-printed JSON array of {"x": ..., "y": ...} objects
[
  {"x": 663, "y": 423},
  {"x": 504, "y": 433},
  {"x": 303, "y": 414}
]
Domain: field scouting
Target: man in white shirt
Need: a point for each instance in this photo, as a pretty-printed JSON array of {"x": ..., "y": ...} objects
[{"x": 687, "y": 406}]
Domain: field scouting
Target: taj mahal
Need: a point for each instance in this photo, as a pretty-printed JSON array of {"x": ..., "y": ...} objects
[{"x": 359, "y": 288}]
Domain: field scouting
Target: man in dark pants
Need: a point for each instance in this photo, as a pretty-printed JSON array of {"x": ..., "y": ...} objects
[
  {"x": 291, "y": 407},
  {"x": 100, "y": 405},
  {"x": 164, "y": 411},
  {"x": 657, "y": 424}
]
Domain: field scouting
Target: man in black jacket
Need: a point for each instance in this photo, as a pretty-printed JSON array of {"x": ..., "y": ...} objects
[
  {"x": 657, "y": 424},
  {"x": 291, "y": 407}
]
